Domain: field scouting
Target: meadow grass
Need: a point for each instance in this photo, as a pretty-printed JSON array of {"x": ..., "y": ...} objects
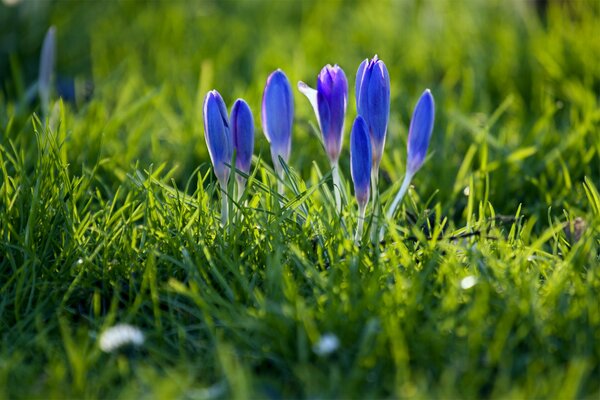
[{"x": 486, "y": 285}]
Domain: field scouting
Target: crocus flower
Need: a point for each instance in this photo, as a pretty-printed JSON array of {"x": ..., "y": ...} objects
[
  {"x": 373, "y": 103},
  {"x": 242, "y": 133},
  {"x": 329, "y": 102},
  {"x": 46, "y": 72},
  {"x": 419, "y": 133},
  {"x": 278, "y": 117},
  {"x": 218, "y": 141},
  {"x": 217, "y": 135},
  {"x": 360, "y": 164}
]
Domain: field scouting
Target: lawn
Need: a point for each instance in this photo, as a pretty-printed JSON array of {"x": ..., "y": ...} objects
[{"x": 487, "y": 282}]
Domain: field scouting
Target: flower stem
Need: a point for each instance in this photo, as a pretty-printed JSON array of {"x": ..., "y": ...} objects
[
  {"x": 361, "y": 221},
  {"x": 399, "y": 196},
  {"x": 224, "y": 209},
  {"x": 280, "y": 187},
  {"x": 241, "y": 186},
  {"x": 396, "y": 202},
  {"x": 376, "y": 205},
  {"x": 337, "y": 186}
]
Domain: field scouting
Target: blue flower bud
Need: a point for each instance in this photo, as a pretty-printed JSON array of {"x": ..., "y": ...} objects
[
  {"x": 419, "y": 133},
  {"x": 242, "y": 133},
  {"x": 360, "y": 161},
  {"x": 373, "y": 102},
  {"x": 217, "y": 135},
  {"x": 329, "y": 102},
  {"x": 278, "y": 116}
]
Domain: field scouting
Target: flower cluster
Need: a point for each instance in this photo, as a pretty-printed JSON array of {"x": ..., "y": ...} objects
[{"x": 225, "y": 134}]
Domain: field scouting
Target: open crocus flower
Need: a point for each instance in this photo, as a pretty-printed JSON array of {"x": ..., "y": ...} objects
[
  {"x": 373, "y": 104},
  {"x": 360, "y": 164},
  {"x": 419, "y": 134},
  {"x": 242, "y": 133},
  {"x": 218, "y": 141},
  {"x": 329, "y": 102},
  {"x": 278, "y": 117}
]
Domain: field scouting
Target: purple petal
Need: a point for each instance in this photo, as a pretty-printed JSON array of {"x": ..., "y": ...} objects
[
  {"x": 419, "y": 133},
  {"x": 373, "y": 103},
  {"x": 359, "y": 78},
  {"x": 242, "y": 133},
  {"x": 335, "y": 93},
  {"x": 332, "y": 99},
  {"x": 217, "y": 134},
  {"x": 379, "y": 105},
  {"x": 278, "y": 114},
  {"x": 362, "y": 98},
  {"x": 360, "y": 160}
]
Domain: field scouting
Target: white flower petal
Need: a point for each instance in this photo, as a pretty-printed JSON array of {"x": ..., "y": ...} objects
[{"x": 311, "y": 95}]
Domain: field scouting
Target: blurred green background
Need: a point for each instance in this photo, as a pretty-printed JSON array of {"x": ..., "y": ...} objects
[
  {"x": 511, "y": 80},
  {"x": 88, "y": 239}
]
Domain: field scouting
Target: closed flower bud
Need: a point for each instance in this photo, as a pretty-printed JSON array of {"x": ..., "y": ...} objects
[
  {"x": 242, "y": 133},
  {"x": 360, "y": 161},
  {"x": 419, "y": 133},
  {"x": 373, "y": 103},
  {"x": 278, "y": 116},
  {"x": 217, "y": 135}
]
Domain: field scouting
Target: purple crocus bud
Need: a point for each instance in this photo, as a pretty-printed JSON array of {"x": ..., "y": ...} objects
[
  {"x": 278, "y": 116},
  {"x": 360, "y": 161},
  {"x": 217, "y": 135},
  {"x": 373, "y": 103},
  {"x": 360, "y": 167},
  {"x": 329, "y": 102},
  {"x": 242, "y": 133},
  {"x": 419, "y": 133}
]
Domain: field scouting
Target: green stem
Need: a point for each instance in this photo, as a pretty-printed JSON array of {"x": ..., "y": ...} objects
[
  {"x": 376, "y": 205},
  {"x": 399, "y": 196},
  {"x": 241, "y": 186},
  {"x": 337, "y": 186},
  {"x": 361, "y": 221},
  {"x": 224, "y": 208}
]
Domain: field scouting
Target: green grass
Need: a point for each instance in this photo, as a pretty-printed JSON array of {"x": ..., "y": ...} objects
[{"x": 110, "y": 213}]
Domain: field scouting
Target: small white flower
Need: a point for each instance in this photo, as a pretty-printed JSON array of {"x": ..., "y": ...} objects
[
  {"x": 120, "y": 335},
  {"x": 327, "y": 344},
  {"x": 468, "y": 282},
  {"x": 467, "y": 191}
]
